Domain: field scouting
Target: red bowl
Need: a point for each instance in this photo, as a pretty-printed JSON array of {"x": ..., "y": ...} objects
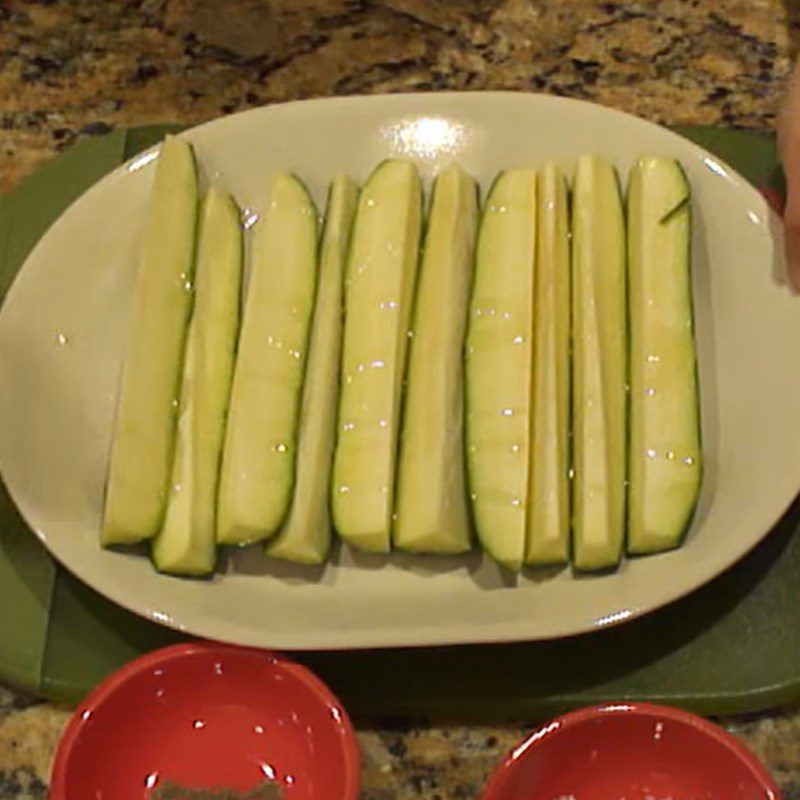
[
  {"x": 635, "y": 752},
  {"x": 207, "y": 715}
]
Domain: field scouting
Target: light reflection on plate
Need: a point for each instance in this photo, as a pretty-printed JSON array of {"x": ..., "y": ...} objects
[
  {"x": 55, "y": 419},
  {"x": 426, "y": 138}
]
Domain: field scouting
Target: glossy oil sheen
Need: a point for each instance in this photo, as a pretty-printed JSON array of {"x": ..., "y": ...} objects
[
  {"x": 145, "y": 420},
  {"x": 379, "y": 291},
  {"x": 599, "y": 366},
  {"x": 55, "y": 421},
  {"x": 186, "y": 542},
  {"x": 547, "y": 539},
  {"x": 258, "y": 457},
  {"x": 665, "y": 458},
  {"x": 499, "y": 368},
  {"x": 305, "y": 535},
  {"x": 687, "y": 675},
  {"x": 431, "y": 505}
]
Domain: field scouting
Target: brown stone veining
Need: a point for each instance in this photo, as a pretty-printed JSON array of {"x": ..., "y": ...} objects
[
  {"x": 72, "y": 69},
  {"x": 76, "y": 68}
]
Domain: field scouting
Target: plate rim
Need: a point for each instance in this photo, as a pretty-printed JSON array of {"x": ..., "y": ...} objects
[{"x": 424, "y": 636}]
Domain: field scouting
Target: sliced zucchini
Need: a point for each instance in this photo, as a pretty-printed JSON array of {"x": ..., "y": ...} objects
[
  {"x": 432, "y": 515},
  {"x": 261, "y": 434},
  {"x": 185, "y": 545},
  {"x": 548, "y": 518},
  {"x": 665, "y": 455},
  {"x": 144, "y": 428},
  {"x": 599, "y": 341},
  {"x": 306, "y": 534},
  {"x": 499, "y": 366},
  {"x": 379, "y": 287}
]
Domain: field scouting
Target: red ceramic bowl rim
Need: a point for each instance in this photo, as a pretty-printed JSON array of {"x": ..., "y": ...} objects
[
  {"x": 115, "y": 681},
  {"x": 496, "y": 785}
]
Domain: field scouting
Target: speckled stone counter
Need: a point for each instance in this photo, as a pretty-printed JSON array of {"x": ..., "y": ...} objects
[
  {"x": 400, "y": 762},
  {"x": 77, "y": 68},
  {"x": 70, "y": 68}
]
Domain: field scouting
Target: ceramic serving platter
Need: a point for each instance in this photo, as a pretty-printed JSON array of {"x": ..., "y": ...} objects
[{"x": 64, "y": 323}]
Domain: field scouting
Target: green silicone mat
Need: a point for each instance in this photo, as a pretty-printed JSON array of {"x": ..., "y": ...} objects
[{"x": 733, "y": 646}]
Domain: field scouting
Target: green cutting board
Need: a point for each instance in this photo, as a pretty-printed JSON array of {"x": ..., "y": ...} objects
[{"x": 732, "y": 646}]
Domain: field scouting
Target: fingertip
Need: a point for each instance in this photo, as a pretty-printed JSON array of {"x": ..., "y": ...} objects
[
  {"x": 791, "y": 247},
  {"x": 793, "y": 262},
  {"x": 775, "y": 199},
  {"x": 794, "y": 279},
  {"x": 793, "y": 272}
]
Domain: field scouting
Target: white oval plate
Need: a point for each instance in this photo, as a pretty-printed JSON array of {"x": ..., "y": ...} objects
[{"x": 61, "y": 342}]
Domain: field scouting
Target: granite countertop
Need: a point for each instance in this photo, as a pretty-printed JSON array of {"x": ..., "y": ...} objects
[{"x": 71, "y": 69}]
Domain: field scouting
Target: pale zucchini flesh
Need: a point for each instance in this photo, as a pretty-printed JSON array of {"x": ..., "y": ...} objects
[
  {"x": 186, "y": 543},
  {"x": 432, "y": 512},
  {"x": 665, "y": 453},
  {"x": 379, "y": 286},
  {"x": 599, "y": 342},
  {"x": 144, "y": 427},
  {"x": 498, "y": 368},
  {"x": 549, "y": 514},
  {"x": 305, "y": 536},
  {"x": 261, "y": 435}
]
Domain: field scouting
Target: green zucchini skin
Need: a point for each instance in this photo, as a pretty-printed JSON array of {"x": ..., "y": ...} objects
[
  {"x": 379, "y": 290},
  {"x": 306, "y": 533},
  {"x": 144, "y": 427},
  {"x": 431, "y": 506},
  {"x": 258, "y": 460},
  {"x": 666, "y": 462},
  {"x": 499, "y": 367},
  {"x": 548, "y": 533},
  {"x": 186, "y": 543},
  {"x": 599, "y": 366}
]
